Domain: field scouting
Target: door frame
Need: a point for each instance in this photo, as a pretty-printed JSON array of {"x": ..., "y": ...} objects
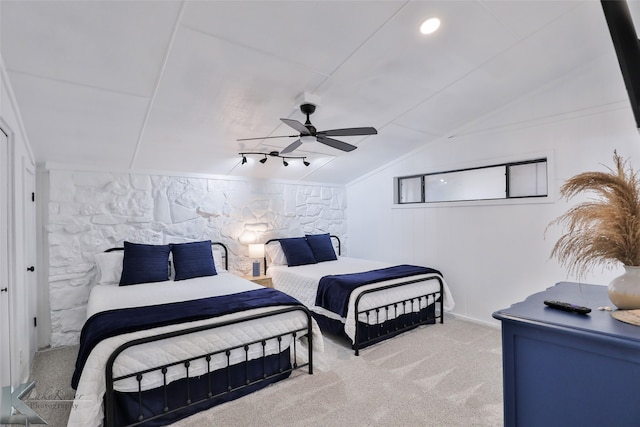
[
  {"x": 30, "y": 254},
  {"x": 6, "y": 167},
  {"x": 42, "y": 259}
]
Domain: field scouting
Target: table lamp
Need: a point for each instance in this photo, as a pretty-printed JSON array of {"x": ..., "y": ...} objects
[{"x": 256, "y": 251}]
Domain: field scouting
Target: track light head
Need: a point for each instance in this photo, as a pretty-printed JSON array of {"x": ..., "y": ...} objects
[
  {"x": 305, "y": 162},
  {"x": 244, "y": 160},
  {"x": 284, "y": 162},
  {"x": 263, "y": 160}
]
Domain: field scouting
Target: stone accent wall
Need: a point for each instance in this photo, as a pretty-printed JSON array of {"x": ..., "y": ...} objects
[{"x": 89, "y": 212}]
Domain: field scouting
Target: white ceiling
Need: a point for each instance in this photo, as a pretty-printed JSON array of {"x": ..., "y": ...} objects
[{"x": 170, "y": 86}]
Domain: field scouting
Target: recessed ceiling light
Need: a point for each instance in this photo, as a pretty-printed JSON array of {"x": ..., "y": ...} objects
[{"x": 429, "y": 26}]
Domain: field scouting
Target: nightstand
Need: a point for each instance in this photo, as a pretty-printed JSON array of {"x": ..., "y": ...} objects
[{"x": 260, "y": 280}]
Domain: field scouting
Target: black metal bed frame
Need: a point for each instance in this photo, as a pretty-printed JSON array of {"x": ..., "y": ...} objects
[
  {"x": 110, "y": 406},
  {"x": 110, "y": 394},
  {"x": 403, "y": 321}
]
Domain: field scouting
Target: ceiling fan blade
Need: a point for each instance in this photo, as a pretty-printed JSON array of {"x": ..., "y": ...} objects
[
  {"x": 289, "y": 148},
  {"x": 349, "y": 131},
  {"x": 335, "y": 143},
  {"x": 296, "y": 125},
  {"x": 268, "y": 137}
]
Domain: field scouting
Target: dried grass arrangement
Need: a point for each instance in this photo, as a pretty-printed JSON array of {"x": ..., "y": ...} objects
[{"x": 605, "y": 230}]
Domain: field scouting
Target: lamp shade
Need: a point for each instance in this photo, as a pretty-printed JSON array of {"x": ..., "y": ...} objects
[{"x": 256, "y": 250}]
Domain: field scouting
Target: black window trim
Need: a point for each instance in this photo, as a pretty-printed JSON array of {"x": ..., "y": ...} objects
[{"x": 505, "y": 164}]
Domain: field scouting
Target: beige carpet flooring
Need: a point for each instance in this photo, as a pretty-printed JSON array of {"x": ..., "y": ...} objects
[{"x": 437, "y": 375}]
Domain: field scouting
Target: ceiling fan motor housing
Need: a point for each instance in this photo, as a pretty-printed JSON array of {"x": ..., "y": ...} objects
[{"x": 307, "y": 108}]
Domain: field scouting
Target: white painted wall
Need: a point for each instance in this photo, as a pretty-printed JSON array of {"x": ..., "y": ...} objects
[{"x": 494, "y": 255}]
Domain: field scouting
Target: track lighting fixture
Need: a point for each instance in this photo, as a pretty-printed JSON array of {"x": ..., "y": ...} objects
[{"x": 273, "y": 154}]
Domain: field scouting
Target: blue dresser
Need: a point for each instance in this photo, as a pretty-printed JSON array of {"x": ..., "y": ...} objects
[{"x": 567, "y": 369}]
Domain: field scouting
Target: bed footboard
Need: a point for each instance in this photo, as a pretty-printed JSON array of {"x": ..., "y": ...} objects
[
  {"x": 199, "y": 393},
  {"x": 405, "y": 316}
]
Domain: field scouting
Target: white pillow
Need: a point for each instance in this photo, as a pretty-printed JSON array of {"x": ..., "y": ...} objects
[
  {"x": 217, "y": 259},
  {"x": 172, "y": 268},
  {"x": 275, "y": 254},
  {"x": 109, "y": 267}
]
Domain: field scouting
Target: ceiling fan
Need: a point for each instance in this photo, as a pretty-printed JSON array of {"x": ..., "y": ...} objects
[{"x": 308, "y": 133}]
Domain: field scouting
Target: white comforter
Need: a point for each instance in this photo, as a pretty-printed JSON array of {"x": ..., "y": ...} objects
[
  {"x": 301, "y": 282},
  {"x": 87, "y": 408}
]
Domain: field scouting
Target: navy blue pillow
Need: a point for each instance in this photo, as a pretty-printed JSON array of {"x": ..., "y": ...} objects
[
  {"x": 297, "y": 251},
  {"x": 193, "y": 259},
  {"x": 321, "y": 247},
  {"x": 144, "y": 263}
]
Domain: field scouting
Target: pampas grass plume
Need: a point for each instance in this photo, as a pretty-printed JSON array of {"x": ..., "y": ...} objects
[{"x": 606, "y": 229}]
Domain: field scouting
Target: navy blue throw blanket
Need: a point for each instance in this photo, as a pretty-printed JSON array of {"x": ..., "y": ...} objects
[
  {"x": 110, "y": 323},
  {"x": 334, "y": 291}
]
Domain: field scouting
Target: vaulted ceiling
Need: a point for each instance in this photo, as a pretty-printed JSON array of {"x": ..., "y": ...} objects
[{"x": 170, "y": 86}]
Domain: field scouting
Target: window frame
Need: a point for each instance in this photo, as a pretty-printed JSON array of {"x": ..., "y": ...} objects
[
  {"x": 399, "y": 189},
  {"x": 508, "y": 198}
]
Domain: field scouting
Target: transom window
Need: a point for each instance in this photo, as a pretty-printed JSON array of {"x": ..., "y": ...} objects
[{"x": 493, "y": 182}]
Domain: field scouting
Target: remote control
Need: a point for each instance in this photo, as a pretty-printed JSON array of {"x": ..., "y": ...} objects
[{"x": 568, "y": 307}]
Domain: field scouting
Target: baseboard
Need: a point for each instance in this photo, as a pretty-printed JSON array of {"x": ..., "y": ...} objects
[{"x": 474, "y": 320}]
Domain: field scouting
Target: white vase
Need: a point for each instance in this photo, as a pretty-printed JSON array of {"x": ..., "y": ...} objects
[{"x": 624, "y": 290}]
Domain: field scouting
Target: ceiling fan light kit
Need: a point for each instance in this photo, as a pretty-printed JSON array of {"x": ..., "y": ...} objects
[
  {"x": 273, "y": 154},
  {"x": 307, "y": 133},
  {"x": 307, "y": 138}
]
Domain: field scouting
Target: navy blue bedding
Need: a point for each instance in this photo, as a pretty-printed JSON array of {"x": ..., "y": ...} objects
[
  {"x": 110, "y": 323},
  {"x": 334, "y": 290}
]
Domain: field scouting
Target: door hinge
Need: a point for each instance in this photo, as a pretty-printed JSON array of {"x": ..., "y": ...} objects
[
  {"x": 35, "y": 322},
  {"x": 33, "y": 196}
]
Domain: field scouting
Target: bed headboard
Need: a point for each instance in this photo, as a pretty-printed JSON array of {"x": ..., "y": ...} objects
[
  {"x": 336, "y": 239},
  {"x": 225, "y": 252}
]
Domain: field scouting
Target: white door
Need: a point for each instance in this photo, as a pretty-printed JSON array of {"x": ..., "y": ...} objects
[
  {"x": 5, "y": 353},
  {"x": 30, "y": 278}
]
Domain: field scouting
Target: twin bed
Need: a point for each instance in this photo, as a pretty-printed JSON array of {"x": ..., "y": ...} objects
[{"x": 192, "y": 335}]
